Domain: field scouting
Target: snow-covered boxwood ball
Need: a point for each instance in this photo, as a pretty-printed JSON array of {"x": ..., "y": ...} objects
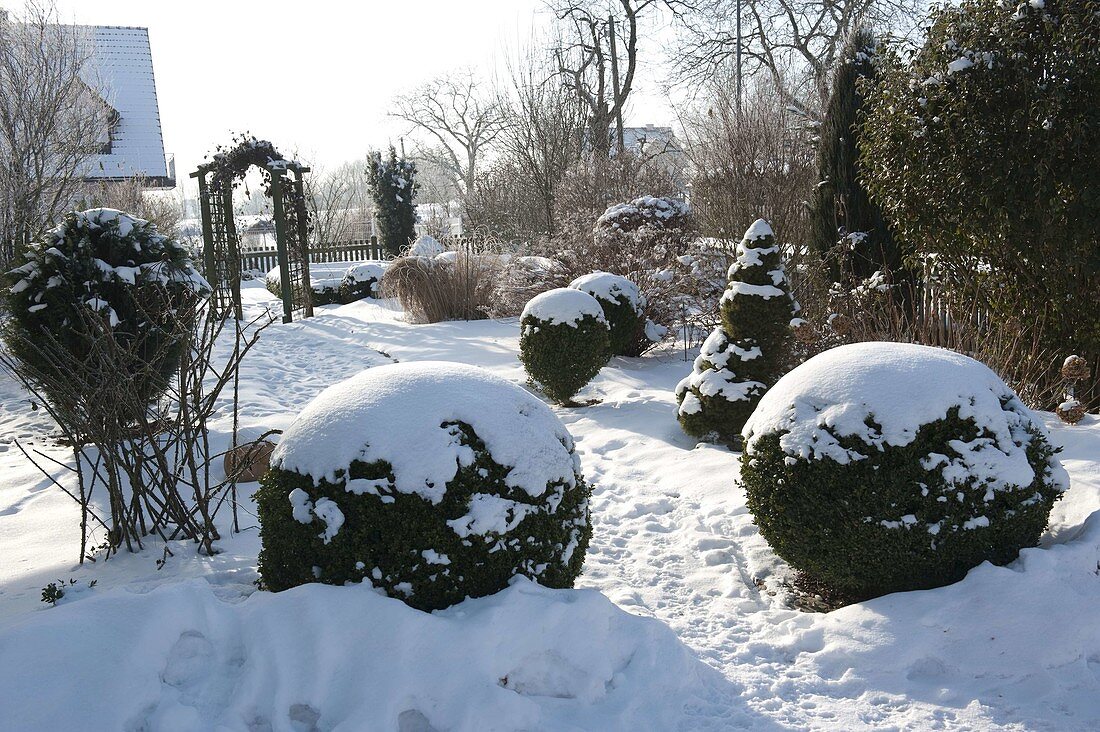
[
  {"x": 883, "y": 467},
  {"x": 433, "y": 481},
  {"x": 564, "y": 341},
  {"x": 360, "y": 281},
  {"x": 623, "y": 307},
  {"x": 113, "y": 267}
]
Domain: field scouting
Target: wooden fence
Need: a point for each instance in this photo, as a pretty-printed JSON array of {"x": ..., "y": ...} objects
[
  {"x": 352, "y": 251},
  {"x": 356, "y": 250}
]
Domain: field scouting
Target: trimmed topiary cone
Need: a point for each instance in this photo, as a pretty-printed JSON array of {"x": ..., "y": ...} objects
[{"x": 748, "y": 352}]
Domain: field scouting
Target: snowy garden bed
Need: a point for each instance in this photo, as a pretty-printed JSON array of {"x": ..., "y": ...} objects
[{"x": 670, "y": 627}]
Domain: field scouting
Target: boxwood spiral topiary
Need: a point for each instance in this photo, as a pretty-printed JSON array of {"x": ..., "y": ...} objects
[
  {"x": 362, "y": 511},
  {"x": 101, "y": 271},
  {"x": 564, "y": 341},
  {"x": 749, "y": 350},
  {"x": 623, "y": 307},
  {"x": 877, "y": 468}
]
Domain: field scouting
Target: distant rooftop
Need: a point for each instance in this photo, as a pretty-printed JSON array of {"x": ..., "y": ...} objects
[{"x": 121, "y": 71}]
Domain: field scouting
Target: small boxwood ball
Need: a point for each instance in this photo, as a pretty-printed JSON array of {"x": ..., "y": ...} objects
[
  {"x": 360, "y": 281},
  {"x": 101, "y": 271},
  {"x": 564, "y": 341},
  {"x": 623, "y": 307},
  {"x": 432, "y": 481},
  {"x": 883, "y": 467}
]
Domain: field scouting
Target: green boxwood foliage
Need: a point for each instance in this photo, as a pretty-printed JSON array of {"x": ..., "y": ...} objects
[
  {"x": 101, "y": 271},
  {"x": 749, "y": 351},
  {"x": 884, "y": 467},
  {"x": 562, "y": 351},
  {"x": 402, "y": 543},
  {"x": 839, "y": 523},
  {"x": 983, "y": 151},
  {"x": 623, "y": 308}
]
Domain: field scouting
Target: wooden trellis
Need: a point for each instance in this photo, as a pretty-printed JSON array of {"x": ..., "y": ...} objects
[{"x": 221, "y": 243}]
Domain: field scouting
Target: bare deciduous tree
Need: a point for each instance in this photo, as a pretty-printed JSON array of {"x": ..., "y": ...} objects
[
  {"x": 516, "y": 197},
  {"x": 795, "y": 42},
  {"x": 51, "y": 121},
  {"x": 459, "y": 117},
  {"x": 598, "y": 60}
]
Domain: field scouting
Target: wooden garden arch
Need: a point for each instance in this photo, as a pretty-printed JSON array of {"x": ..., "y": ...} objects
[{"x": 284, "y": 182}]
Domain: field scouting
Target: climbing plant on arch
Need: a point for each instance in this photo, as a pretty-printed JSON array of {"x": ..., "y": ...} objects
[{"x": 283, "y": 182}]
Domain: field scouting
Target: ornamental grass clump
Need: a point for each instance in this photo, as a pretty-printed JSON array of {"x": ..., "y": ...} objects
[
  {"x": 624, "y": 308},
  {"x": 884, "y": 467},
  {"x": 564, "y": 342},
  {"x": 431, "y": 481},
  {"x": 749, "y": 350}
]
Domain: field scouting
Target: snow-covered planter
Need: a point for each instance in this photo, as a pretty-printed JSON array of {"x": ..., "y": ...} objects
[
  {"x": 432, "y": 481},
  {"x": 564, "y": 341},
  {"x": 361, "y": 281},
  {"x": 623, "y": 307},
  {"x": 102, "y": 271},
  {"x": 884, "y": 467},
  {"x": 749, "y": 350}
]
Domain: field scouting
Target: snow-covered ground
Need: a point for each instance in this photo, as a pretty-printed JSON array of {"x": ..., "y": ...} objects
[{"x": 670, "y": 631}]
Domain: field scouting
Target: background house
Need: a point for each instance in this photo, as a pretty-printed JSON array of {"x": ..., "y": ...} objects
[{"x": 120, "y": 71}]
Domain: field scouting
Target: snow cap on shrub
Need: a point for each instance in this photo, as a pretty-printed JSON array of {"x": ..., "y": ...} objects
[
  {"x": 563, "y": 306},
  {"x": 434, "y": 481},
  {"x": 564, "y": 341},
  {"x": 361, "y": 280},
  {"x": 646, "y": 211},
  {"x": 878, "y": 467},
  {"x": 106, "y": 263}
]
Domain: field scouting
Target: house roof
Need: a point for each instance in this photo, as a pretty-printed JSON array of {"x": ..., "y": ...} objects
[{"x": 121, "y": 71}]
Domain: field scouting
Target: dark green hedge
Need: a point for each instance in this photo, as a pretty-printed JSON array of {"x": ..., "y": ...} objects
[
  {"x": 824, "y": 518},
  {"x": 390, "y": 532},
  {"x": 562, "y": 358}
]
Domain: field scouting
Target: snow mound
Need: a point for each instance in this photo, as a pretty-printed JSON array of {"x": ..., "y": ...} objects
[
  {"x": 321, "y": 657},
  {"x": 401, "y": 413},
  {"x": 882, "y": 393},
  {"x": 563, "y": 305},
  {"x": 610, "y": 287},
  {"x": 365, "y": 272},
  {"x": 425, "y": 246}
]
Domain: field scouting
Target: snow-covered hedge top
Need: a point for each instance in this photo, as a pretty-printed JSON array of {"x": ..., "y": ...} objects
[
  {"x": 425, "y": 246},
  {"x": 563, "y": 305},
  {"x": 760, "y": 229},
  {"x": 610, "y": 287},
  {"x": 899, "y": 387},
  {"x": 399, "y": 413}
]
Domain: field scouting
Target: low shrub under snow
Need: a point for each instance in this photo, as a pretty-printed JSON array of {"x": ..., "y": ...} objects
[
  {"x": 564, "y": 341},
  {"x": 624, "y": 307},
  {"x": 432, "y": 481},
  {"x": 884, "y": 467}
]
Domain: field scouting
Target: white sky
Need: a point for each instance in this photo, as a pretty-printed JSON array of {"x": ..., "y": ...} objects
[{"x": 215, "y": 73}]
